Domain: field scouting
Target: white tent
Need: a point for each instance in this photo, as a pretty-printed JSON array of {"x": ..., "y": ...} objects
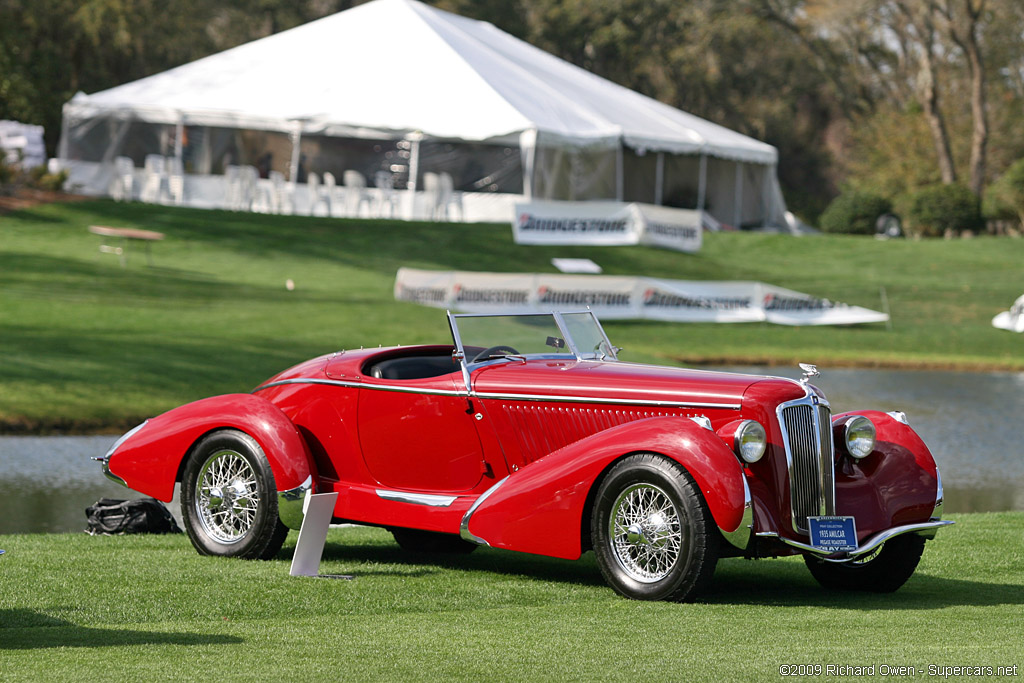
[{"x": 401, "y": 87}]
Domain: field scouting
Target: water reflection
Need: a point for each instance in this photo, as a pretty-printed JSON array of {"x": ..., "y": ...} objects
[
  {"x": 46, "y": 482},
  {"x": 969, "y": 420}
]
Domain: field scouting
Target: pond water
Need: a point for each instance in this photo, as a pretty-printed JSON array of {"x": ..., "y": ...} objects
[{"x": 969, "y": 420}]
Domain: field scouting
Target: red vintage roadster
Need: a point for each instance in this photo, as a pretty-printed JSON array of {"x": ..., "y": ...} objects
[{"x": 527, "y": 433}]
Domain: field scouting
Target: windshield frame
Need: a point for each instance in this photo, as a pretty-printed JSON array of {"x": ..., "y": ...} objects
[{"x": 608, "y": 351}]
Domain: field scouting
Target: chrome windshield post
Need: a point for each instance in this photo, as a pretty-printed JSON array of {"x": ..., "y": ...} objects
[{"x": 459, "y": 353}]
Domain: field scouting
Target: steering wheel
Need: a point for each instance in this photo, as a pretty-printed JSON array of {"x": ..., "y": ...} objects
[{"x": 499, "y": 350}]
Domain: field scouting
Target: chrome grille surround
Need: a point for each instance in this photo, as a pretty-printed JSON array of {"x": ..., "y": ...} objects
[{"x": 806, "y": 425}]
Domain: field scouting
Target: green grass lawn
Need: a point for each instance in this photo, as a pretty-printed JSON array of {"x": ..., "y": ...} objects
[
  {"x": 87, "y": 344},
  {"x": 74, "y": 607}
]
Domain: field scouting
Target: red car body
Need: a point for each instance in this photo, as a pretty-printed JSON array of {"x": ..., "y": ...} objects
[{"x": 511, "y": 450}]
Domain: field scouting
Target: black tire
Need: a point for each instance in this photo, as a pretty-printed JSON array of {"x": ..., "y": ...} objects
[
  {"x": 653, "y": 535},
  {"x": 883, "y": 572},
  {"x": 229, "y": 498},
  {"x": 416, "y": 541}
]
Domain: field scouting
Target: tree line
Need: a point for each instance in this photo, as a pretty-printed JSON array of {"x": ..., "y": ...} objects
[{"x": 884, "y": 97}]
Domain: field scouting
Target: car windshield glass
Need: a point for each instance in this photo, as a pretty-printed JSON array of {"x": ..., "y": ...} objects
[
  {"x": 587, "y": 335},
  {"x": 484, "y": 337}
]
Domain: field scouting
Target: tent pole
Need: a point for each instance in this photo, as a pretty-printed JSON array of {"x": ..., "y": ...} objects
[
  {"x": 659, "y": 179},
  {"x": 414, "y": 171},
  {"x": 738, "y": 207},
  {"x": 293, "y": 168},
  {"x": 767, "y": 211},
  {"x": 528, "y": 154},
  {"x": 620, "y": 180},
  {"x": 702, "y": 181},
  {"x": 179, "y": 133},
  {"x": 65, "y": 128}
]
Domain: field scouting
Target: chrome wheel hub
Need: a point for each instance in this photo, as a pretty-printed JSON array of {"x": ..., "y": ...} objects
[
  {"x": 226, "y": 497},
  {"x": 646, "y": 532}
]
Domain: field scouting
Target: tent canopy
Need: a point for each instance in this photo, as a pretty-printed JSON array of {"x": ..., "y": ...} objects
[{"x": 389, "y": 68}]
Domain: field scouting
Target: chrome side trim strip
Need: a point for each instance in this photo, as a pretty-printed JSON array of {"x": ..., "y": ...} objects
[
  {"x": 607, "y": 401},
  {"x": 741, "y": 536},
  {"x": 291, "y": 504},
  {"x": 464, "y": 531},
  {"x": 363, "y": 385},
  {"x": 417, "y": 498},
  {"x": 869, "y": 545},
  {"x": 507, "y": 397}
]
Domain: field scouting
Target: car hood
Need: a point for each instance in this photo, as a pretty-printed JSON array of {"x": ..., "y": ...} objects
[{"x": 619, "y": 381}]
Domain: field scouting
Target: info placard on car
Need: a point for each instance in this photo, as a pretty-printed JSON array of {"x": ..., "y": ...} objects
[{"x": 833, "y": 533}]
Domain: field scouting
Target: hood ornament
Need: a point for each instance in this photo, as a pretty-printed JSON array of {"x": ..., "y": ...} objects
[{"x": 809, "y": 372}]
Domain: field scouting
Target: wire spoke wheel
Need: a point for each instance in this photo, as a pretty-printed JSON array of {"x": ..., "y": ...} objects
[
  {"x": 646, "y": 533},
  {"x": 652, "y": 533},
  {"x": 227, "y": 496}
]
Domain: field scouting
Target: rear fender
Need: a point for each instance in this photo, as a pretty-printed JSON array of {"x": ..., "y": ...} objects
[
  {"x": 149, "y": 459},
  {"x": 539, "y": 509}
]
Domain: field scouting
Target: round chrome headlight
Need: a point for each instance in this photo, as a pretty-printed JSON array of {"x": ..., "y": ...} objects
[
  {"x": 750, "y": 441},
  {"x": 860, "y": 437}
]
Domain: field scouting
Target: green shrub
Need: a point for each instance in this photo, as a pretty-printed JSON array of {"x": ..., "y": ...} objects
[
  {"x": 936, "y": 209},
  {"x": 854, "y": 213},
  {"x": 6, "y": 172},
  {"x": 1004, "y": 199},
  {"x": 53, "y": 182}
]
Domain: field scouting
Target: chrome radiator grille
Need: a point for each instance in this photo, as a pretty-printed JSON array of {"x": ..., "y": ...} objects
[{"x": 807, "y": 428}]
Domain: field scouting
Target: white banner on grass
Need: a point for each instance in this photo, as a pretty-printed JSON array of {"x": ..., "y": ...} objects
[
  {"x": 696, "y": 301},
  {"x": 786, "y": 307},
  {"x": 606, "y": 224},
  {"x": 1013, "y": 319},
  {"x": 624, "y": 298}
]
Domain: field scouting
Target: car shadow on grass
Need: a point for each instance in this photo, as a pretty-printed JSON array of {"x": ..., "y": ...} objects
[
  {"x": 781, "y": 583},
  {"x": 495, "y": 561},
  {"x": 23, "y": 629},
  {"x": 736, "y": 581}
]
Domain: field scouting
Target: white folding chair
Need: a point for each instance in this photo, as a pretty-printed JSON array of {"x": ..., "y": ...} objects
[
  {"x": 232, "y": 187},
  {"x": 317, "y": 196},
  {"x": 248, "y": 179},
  {"x": 431, "y": 195},
  {"x": 152, "y": 185},
  {"x": 447, "y": 196},
  {"x": 355, "y": 192},
  {"x": 280, "y": 195},
  {"x": 330, "y": 191},
  {"x": 176, "y": 180},
  {"x": 122, "y": 186},
  {"x": 385, "y": 183}
]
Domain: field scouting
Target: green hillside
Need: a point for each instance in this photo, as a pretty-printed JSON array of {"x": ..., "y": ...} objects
[{"x": 88, "y": 345}]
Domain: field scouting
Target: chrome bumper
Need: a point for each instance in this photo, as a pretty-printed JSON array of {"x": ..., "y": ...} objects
[
  {"x": 105, "y": 462},
  {"x": 870, "y": 545},
  {"x": 291, "y": 506}
]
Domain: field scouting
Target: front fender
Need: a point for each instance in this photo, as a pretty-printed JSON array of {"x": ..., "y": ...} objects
[
  {"x": 540, "y": 508},
  {"x": 897, "y": 484},
  {"x": 149, "y": 459}
]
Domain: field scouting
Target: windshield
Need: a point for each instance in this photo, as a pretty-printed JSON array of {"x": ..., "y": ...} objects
[{"x": 557, "y": 335}]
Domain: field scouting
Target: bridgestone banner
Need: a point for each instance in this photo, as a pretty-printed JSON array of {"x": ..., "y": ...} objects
[
  {"x": 624, "y": 298},
  {"x": 607, "y": 224}
]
